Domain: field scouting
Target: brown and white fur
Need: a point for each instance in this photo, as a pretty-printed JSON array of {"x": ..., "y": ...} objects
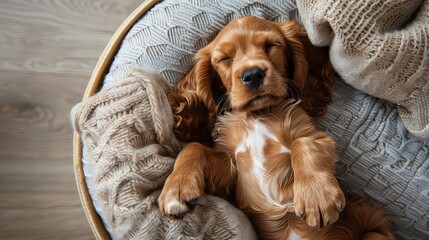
[{"x": 266, "y": 150}]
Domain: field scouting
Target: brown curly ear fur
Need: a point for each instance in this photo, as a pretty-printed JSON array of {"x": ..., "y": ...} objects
[
  {"x": 312, "y": 70},
  {"x": 192, "y": 101}
]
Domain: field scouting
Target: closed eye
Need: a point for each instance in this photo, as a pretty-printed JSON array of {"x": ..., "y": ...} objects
[
  {"x": 270, "y": 45},
  {"x": 224, "y": 59}
]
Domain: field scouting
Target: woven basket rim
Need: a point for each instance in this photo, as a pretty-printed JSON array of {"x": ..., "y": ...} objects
[{"x": 93, "y": 86}]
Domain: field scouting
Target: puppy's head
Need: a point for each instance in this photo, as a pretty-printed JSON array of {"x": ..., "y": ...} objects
[
  {"x": 257, "y": 61},
  {"x": 250, "y": 65}
]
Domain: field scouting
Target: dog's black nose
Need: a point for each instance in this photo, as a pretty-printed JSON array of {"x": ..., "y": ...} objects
[{"x": 253, "y": 77}]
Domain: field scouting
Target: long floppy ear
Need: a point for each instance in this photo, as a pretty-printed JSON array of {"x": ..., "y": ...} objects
[
  {"x": 312, "y": 69},
  {"x": 296, "y": 61},
  {"x": 192, "y": 100}
]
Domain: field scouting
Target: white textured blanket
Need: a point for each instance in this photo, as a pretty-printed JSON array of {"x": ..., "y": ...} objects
[{"x": 379, "y": 47}]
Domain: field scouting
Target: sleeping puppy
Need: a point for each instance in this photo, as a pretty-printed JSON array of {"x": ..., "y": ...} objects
[{"x": 247, "y": 140}]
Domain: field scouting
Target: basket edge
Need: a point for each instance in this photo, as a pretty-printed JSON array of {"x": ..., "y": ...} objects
[{"x": 93, "y": 86}]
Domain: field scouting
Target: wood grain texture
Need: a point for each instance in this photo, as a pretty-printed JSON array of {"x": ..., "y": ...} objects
[{"x": 48, "y": 49}]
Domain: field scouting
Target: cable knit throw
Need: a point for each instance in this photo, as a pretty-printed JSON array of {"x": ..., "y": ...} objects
[
  {"x": 379, "y": 47},
  {"x": 127, "y": 128}
]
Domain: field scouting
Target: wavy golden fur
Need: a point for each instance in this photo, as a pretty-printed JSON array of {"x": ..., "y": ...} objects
[
  {"x": 200, "y": 96},
  {"x": 266, "y": 152}
]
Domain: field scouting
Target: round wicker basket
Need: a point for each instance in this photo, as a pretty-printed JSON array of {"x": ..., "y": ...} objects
[
  {"x": 373, "y": 144},
  {"x": 93, "y": 86}
]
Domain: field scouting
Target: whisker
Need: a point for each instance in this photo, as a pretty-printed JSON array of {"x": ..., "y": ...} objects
[
  {"x": 223, "y": 103},
  {"x": 293, "y": 89}
]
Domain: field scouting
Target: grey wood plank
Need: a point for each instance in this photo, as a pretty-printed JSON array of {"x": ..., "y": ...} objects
[{"x": 48, "y": 49}]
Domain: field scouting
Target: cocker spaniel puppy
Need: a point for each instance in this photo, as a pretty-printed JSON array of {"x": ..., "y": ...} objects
[
  {"x": 250, "y": 140},
  {"x": 281, "y": 53}
]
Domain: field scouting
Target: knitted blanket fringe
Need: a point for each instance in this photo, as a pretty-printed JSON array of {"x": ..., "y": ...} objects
[{"x": 127, "y": 128}]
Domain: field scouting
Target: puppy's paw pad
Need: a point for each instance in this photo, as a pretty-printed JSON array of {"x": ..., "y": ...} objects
[
  {"x": 178, "y": 196},
  {"x": 175, "y": 208},
  {"x": 171, "y": 205}
]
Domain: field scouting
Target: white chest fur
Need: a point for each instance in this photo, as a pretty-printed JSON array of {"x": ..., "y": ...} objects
[{"x": 254, "y": 141}]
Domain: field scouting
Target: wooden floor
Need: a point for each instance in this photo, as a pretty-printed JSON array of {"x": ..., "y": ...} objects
[{"x": 48, "y": 49}]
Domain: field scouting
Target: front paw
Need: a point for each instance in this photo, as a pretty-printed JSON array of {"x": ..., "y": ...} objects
[
  {"x": 179, "y": 195},
  {"x": 318, "y": 199}
]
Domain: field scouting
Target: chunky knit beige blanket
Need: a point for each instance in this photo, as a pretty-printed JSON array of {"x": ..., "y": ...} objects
[
  {"x": 127, "y": 129},
  {"x": 379, "y": 47}
]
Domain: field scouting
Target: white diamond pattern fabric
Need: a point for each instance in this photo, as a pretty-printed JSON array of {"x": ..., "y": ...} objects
[
  {"x": 168, "y": 36},
  {"x": 379, "y": 159}
]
